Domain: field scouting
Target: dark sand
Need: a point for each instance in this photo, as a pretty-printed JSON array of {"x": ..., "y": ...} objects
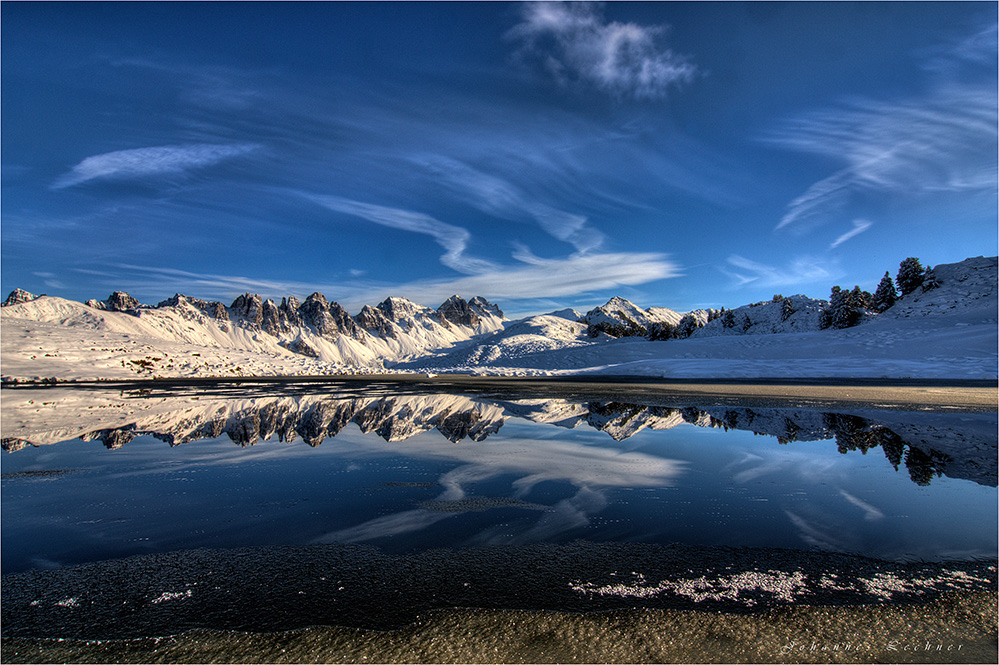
[
  {"x": 956, "y": 628},
  {"x": 579, "y": 602}
]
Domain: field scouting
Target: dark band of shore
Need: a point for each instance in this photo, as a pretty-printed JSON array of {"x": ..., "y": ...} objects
[{"x": 934, "y": 394}]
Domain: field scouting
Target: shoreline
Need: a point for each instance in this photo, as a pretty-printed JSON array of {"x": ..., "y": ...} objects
[{"x": 976, "y": 395}]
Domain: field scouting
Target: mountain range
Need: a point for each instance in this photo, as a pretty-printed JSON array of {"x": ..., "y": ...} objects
[{"x": 946, "y": 329}]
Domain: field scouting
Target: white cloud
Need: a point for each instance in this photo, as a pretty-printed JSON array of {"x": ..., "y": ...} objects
[
  {"x": 499, "y": 197},
  {"x": 579, "y": 273},
  {"x": 532, "y": 277},
  {"x": 452, "y": 238},
  {"x": 859, "y": 226},
  {"x": 802, "y": 270},
  {"x": 144, "y": 162},
  {"x": 623, "y": 59},
  {"x": 944, "y": 141},
  {"x": 50, "y": 280},
  {"x": 162, "y": 282}
]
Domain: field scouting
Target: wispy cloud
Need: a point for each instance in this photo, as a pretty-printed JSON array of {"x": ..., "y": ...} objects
[
  {"x": 574, "y": 275},
  {"x": 979, "y": 48},
  {"x": 50, "y": 280},
  {"x": 144, "y": 162},
  {"x": 499, "y": 197},
  {"x": 941, "y": 141},
  {"x": 452, "y": 238},
  {"x": 802, "y": 270},
  {"x": 859, "y": 226},
  {"x": 155, "y": 282},
  {"x": 575, "y": 43}
]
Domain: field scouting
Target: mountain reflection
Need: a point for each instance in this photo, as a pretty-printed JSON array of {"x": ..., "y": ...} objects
[{"x": 925, "y": 450}]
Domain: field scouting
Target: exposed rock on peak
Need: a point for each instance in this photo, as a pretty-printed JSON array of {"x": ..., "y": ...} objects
[
  {"x": 250, "y": 306},
  {"x": 272, "y": 319},
  {"x": 18, "y": 296},
  {"x": 210, "y": 308},
  {"x": 373, "y": 319},
  {"x": 302, "y": 347},
  {"x": 328, "y": 318},
  {"x": 119, "y": 301},
  {"x": 397, "y": 309},
  {"x": 467, "y": 313},
  {"x": 289, "y": 310},
  {"x": 485, "y": 307}
]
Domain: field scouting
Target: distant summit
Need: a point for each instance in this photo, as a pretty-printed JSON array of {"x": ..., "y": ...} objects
[{"x": 18, "y": 296}]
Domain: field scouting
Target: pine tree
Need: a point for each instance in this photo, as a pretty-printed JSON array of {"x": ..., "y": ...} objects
[
  {"x": 660, "y": 331},
  {"x": 885, "y": 295},
  {"x": 861, "y": 299},
  {"x": 687, "y": 325},
  {"x": 930, "y": 279},
  {"x": 786, "y": 309},
  {"x": 910, "y": 275},
  {"x": 728, "y": 319},
  {"x": 842, "y": 310}
]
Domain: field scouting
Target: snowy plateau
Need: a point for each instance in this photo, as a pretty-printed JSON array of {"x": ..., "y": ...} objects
[{"x": 946, "y": 330}]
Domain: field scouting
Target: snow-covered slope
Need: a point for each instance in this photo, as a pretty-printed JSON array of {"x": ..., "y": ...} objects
[
  {"x": 947, "y": 330},
  {"x": 629, "y": 318},
  {"x": 52, "y": 337}
]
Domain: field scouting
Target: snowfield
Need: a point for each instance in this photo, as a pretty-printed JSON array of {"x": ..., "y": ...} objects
[{"x": 947, "y": 332}]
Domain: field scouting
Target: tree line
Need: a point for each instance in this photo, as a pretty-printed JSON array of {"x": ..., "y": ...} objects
[{"x": 846, "y": 308}]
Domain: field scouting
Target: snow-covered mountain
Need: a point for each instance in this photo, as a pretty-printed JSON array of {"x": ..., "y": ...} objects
[
  {"x": 946, "y": 329},
  {"x": 183, "y": 336}
]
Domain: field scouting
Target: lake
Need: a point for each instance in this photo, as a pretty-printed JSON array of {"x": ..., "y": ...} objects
[{"x": 422, "y": 500}]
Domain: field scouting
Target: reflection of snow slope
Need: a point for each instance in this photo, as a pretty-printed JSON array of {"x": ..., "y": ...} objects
[{"x": 958, "y": 445}]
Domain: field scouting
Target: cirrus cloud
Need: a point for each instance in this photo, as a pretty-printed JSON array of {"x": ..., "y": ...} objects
[
  {"x": 802, "y": 270},
  {"x": 144, "y": 162}
]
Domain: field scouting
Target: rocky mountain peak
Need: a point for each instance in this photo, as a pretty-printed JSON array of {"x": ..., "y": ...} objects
[
  {"x": 485, "y": 306},
  {"x": 375, "y": 320},
  {"x": 617, "y": 302},
  {"x": 467, "y": 313},
  {"x": 328, "y": 318},
  {"x": 456, "y": 310},
  {"x": 212, "y": 309},
  {"x": 119, "y": 301},
  {"x": 396, "y": 308},
  {"x": 250, "y": 306},
  {"x": 18, "y": 296}
]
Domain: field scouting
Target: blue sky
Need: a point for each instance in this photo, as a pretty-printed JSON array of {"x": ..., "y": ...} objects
[{"x": 541, "y": 155}]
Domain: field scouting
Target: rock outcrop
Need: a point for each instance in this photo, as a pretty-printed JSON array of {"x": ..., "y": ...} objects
[
  {"x": 119, "y": 301},
  {"x": 467, "y": 313},
  {"x": 18, "y": 296}
]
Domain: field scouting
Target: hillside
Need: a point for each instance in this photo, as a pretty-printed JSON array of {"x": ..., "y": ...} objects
[
  {"x": 945, "y": 330},
  {"x": 118, "y": 338}
]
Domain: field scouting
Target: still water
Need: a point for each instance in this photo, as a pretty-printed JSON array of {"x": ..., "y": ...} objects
[{"x": 99, "y": 476}]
